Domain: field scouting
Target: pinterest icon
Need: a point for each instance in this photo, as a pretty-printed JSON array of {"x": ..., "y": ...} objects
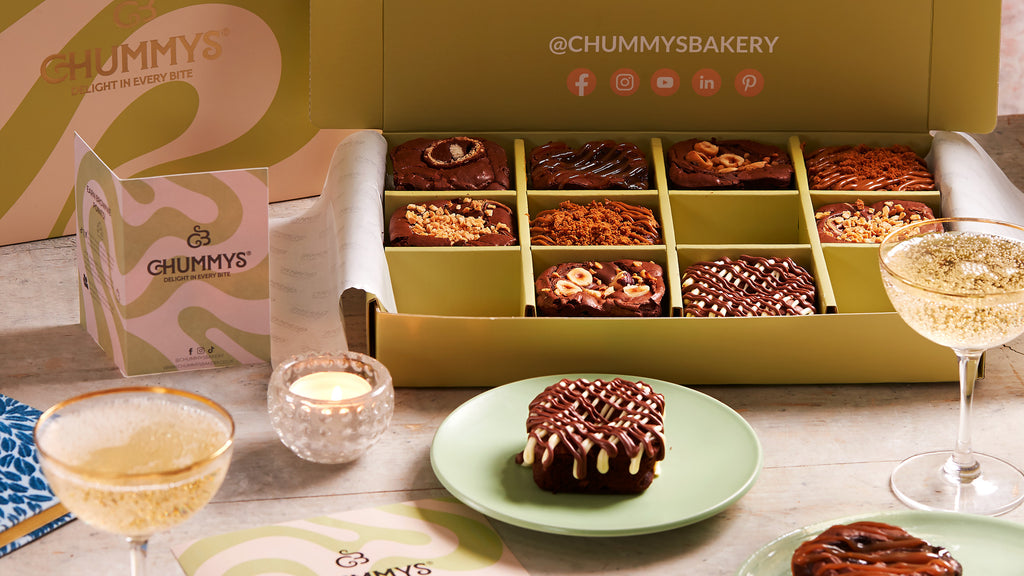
[{"x": 749, "y": 82}]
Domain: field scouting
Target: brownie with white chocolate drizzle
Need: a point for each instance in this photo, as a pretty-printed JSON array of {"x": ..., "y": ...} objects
[
  {"x": 595, "y": 437},
  {"x": 748, "y": 286}
]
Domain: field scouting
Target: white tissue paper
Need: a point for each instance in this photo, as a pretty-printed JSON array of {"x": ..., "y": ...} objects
[
  {"x": 972, "y": 184},
  {"x": 337, "y": 244}
]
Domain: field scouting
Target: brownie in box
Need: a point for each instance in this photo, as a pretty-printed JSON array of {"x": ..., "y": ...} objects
[
  {"x": 728, "y": 164},
  {"x": 607, "y": 220},
  {"x": 593, "y": 165},
  {"x": 541, "y": 96}
]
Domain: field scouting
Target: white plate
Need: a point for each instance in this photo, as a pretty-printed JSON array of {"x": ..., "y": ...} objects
[{"x": 713, "y": 458}]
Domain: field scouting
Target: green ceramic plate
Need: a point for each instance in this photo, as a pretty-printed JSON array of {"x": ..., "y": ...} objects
[
  {"x": 985, "y": 546},
  {"x": 712, "y": 460}
]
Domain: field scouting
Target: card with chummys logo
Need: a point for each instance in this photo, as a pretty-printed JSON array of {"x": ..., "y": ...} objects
[
  {"x": 173, "y": 270},
  {"x": 434, "y": 537}
]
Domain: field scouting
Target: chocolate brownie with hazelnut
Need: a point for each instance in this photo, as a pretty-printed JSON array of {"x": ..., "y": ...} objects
[
  {"x": 698, "y": 164},
  {"x": 458, "y": 163},
  {"x": 607, "y": 289},
  {"x": 456, "y": 222}
]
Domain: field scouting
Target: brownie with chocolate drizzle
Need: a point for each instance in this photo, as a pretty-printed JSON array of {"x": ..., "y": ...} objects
[
  {"x": 863, "y": 167},
  {"x": 871, "y": 548},
  {"x": 748, "y": 286},
  {"x": 607, "y": 223},
  {"x": 597, "y": 165},
  {"x": 595, "y": 436}
]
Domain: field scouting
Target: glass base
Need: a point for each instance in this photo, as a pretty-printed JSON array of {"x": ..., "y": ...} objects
[{"x": 922, "y": 482}]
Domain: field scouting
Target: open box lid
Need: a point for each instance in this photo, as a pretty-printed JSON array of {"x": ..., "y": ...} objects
[{"x": 649, "y": 65}]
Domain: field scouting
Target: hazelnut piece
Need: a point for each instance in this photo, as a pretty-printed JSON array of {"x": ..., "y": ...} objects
[
  {"x": 580, "y": 276},
  {"x": 452, "y": 152}
]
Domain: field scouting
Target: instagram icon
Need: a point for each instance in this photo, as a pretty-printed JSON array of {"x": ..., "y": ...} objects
[{"x": 624, "y": 81}]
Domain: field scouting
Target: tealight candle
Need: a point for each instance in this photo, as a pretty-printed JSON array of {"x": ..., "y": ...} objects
[
  {"x": 330, "y": 386},
  {"x": 330, "y": 408}
]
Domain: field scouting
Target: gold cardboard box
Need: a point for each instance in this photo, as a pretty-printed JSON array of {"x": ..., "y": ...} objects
[{"x": 800, "y": 74}]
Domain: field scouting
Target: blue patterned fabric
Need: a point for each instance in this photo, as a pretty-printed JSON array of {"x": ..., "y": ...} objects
[{"x": 23, "y": 489}]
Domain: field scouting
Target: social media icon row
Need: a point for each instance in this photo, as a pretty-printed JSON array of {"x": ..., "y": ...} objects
[{"x": 665, "y": 82}]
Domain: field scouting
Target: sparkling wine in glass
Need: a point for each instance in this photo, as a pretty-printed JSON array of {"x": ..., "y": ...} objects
[
  {"x": 135, "y": 461},
  {"x": 960, "y": 283}
]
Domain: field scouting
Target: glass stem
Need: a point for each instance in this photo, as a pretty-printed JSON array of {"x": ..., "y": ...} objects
[
  {"x": 138, "y": 547},
  {"x": 962, "y": 467}
]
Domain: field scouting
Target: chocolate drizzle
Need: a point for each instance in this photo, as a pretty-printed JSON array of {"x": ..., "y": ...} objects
[
  {"x": 606, "y": 415},
  {"x": 599, "y": 223},
  {"x": 862, "y": 167},
  {"x": 874, "y": 548},
  {"x": 748, "y": 286},
  {"x": 598, "y": 165}
]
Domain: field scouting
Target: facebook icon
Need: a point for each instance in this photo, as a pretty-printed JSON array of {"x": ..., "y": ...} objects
[{"x": 580, "y": 82}]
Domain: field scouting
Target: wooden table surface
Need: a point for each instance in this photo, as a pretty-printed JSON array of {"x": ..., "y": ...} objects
[{"x": 828, "y": 449}]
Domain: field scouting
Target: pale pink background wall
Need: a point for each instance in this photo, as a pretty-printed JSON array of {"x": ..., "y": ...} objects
[{"x": 1011, "y": 62}]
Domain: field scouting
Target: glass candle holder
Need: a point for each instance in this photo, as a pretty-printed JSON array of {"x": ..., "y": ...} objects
[{"x": 341, "y": 407}]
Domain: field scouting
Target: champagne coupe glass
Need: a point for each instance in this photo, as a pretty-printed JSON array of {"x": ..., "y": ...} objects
[
  {"x": 960, "y": 283},
  {"x": 135, "y": 461}
]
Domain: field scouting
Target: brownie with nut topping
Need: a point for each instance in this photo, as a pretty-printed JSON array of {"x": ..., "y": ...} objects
[
  {"x": 714, "y": 164},
  {"x": 454, "y": 222},
  {"x": 621, "y": 288},
  {"x": 857, "y": 222},
  {"x": 597, "y": 165},
  {"x": 458, "y": 163}
]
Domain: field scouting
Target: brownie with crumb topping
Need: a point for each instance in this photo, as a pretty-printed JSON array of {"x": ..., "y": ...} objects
[
  {"x": 868, "y": 168},
  {"x": 607, "y": 223}
]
